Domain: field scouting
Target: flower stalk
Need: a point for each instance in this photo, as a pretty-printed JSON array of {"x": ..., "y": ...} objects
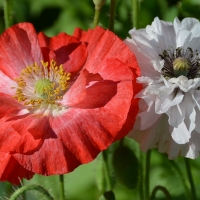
[
  {"x": 112, "y": 15},
  {"x": 163, "y": 189},
  {"x": 96, "y": 18},
  {"x": 189, "y": 174},
  {"x": 62, "y": 192},
  {"x": 181, "y": 176},
  {"x": 98, "y": 5},
  {"x": 141, "y": 187},
  {"x": 135, "y": 14},
  {"x": 107, "y": 178},
  {"x": 6, "y": 18},
  {"x": 148, "y": 159},
  {"x": 23, "y": 189}
]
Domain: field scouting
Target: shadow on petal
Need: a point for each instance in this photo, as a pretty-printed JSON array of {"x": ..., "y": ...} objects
[
  {"x": 99, "y": 94},
  {"x": 8, "y": 163},
  {"x": 62, "y": 54}
]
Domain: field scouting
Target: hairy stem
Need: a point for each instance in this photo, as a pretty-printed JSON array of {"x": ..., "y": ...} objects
[
  {"x": 112, "y": 15},
  {"x": 38, "y": 188},
  {"x": 179, "y": 172},
  {"x": 96, "y": 18},
  {"x": 189, "y": 174},
  {"x": 6, "y": 15},
  {"x": 148, "y": 159},
  {"x": 135, "y": 14},
  {"x": 141, "y": 185},
  {"x": 107, "y": 177},
  {"x": 62, "y": 192},
  {"x": 164, "y": 190}
]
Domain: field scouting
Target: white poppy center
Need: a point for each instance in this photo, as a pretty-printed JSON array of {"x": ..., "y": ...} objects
[
  {"x": 181, "y": 66},
  {"x": 181, "y": 62}
]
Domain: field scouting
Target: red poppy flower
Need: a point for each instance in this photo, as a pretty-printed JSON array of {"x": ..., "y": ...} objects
[{"x": 63, "y": 99}]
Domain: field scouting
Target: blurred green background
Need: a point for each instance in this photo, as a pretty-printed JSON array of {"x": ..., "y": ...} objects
[
  {"x": 85, "y": 183},
  {"x": 54, "y": 16}
]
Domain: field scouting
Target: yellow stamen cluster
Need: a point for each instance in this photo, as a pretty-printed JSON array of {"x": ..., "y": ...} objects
[{"x": 41, "y": 85}]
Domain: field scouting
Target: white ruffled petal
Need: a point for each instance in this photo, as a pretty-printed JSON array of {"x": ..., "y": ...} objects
[
  {"x": 186, "y": 24},
  {"x": 197, "y": 127},
  {"x": 164, "y": 104},
  {"x": 168, "y": 55},
  {"x": 183, "y": 36},
  {"x": 157, "y": 30},
  {"x": 185, "y": 84},
  {"x": 181, "y": 134},
  {"x": 142, "y": 59},
  {"x": 175, "y": 116},
  {"x": 146, "y": 119},
  {"x": 150, "y": 137}
]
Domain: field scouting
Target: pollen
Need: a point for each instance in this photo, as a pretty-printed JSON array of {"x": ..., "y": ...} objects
[{"x": 41, "y": 86}]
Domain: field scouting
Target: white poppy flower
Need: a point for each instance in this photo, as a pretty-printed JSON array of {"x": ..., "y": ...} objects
[{"x": 169, "y": 57}]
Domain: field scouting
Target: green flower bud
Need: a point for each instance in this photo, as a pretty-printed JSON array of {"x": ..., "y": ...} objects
[{"x": 99, "y": 4}]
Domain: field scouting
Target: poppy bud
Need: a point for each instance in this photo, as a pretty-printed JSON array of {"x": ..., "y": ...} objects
[{"x": 99, "y": 4}]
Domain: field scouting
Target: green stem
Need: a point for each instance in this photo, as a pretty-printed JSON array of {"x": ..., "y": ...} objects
[
  {"x": 6, "y": 14},
  {"x": 163, "y": 189},
  {"x": 107, "y": 177},
  {"x": 148, "y": 159},
  {"x": 21, "y": 190},
  {"x": 186, "y": 189},
  {"x": 62, "y": 192},
  {"x": 189, "y": 174},
  {"x": 96, "y": 18},
  {"x": 141, "y": 188},
  {"x": 112, "y": 15},
  {"x": 135, "y": 13},
  {"x": 23, "y": 196}
]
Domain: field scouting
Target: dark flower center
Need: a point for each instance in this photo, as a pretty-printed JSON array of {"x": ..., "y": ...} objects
[{"x": 181, "y": 62}]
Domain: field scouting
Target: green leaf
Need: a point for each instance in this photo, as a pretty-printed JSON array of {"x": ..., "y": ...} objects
[
  {"x": 108, "y": 196},
  {"x": 126, "y": 167},
  {"x": 101, "y": 172}
]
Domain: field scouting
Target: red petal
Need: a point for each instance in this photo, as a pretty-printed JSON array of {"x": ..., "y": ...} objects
[
  {"x": 48, "y": 55},
  {"x": 37, "y": 126},
  {"x": 68, "y": 50},
  {"x": 128, "y": 126},
  {"x": 103, "y": 44},
  {"x": 11, "y": 170},
  {"x": 19, "y": 48},
  {"x": 8, "y": 105},
  {"x": 6, "y": 85},
  {"x": 52, "y": 158},
  {"x": 12, "y": 140},
  {"x": 98, "y": 95},
  {"x": 98, "y": 117},
  {"x": 77, "y": 91},
  {"x": 19, "y": 133},
  {"x": 82, "y": 134}
]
